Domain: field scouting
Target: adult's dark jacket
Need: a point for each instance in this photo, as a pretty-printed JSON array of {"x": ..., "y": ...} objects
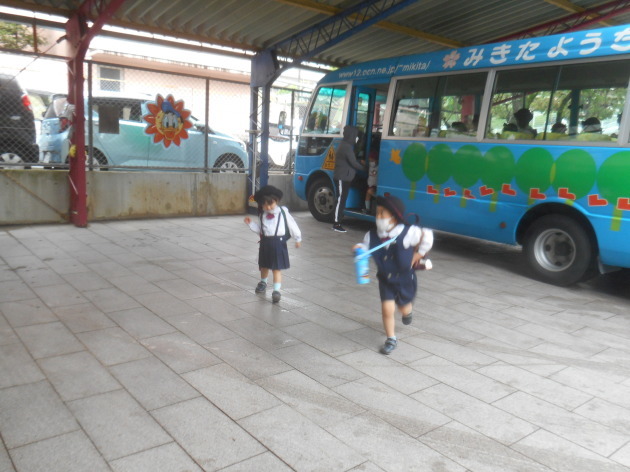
[{"x": 346, "y": 164}]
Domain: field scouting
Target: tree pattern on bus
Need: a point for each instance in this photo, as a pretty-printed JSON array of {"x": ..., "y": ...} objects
[{"x": 572, "y": 175}]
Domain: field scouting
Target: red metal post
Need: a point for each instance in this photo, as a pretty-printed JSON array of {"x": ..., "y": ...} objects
[{"x": 79, "y": 36}]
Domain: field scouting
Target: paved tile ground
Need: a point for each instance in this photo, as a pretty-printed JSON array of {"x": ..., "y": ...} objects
[{"x": 141, "y": 346}]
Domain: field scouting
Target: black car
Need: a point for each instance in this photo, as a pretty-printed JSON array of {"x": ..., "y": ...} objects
[{"x": 17, "y": 124}]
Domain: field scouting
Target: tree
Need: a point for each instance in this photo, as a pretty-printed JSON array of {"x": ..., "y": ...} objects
[{"x": 17, "y": 36}]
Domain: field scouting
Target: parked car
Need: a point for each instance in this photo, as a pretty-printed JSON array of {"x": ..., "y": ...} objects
[
  {"x": 280, "y": 152},
  {"x": 17, "y": 124},
  {"x": 122, "y": 137}
]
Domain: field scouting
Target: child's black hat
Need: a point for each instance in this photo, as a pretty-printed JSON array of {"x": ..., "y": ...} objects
[
  {"x": 394, "y": 205},
  {"x": 267, "y": 191}
]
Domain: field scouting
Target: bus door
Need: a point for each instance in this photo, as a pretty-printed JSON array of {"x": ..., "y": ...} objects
[{"x": 361, "y": 116}]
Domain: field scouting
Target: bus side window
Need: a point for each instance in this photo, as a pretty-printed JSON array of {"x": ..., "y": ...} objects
[
  {"x": 460, "y": 103},
  {"x": 412, "y": 102}
]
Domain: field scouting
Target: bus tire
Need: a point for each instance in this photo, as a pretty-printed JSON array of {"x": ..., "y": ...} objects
[
  {"x": 321, "y": 200},
  {"x": 558, "y": 249}
]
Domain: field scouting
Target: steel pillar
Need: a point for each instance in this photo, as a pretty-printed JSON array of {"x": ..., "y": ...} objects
[{"x": 79, "y": 35}]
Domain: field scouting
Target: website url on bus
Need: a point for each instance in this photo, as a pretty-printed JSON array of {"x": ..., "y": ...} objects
[{"x": 412, "y": 67}]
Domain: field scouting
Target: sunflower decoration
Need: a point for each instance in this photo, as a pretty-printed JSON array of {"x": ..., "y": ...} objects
[{"x": 167, "y": 120}]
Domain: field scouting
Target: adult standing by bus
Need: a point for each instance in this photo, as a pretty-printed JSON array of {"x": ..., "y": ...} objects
[{"x": 346, "y": 166}]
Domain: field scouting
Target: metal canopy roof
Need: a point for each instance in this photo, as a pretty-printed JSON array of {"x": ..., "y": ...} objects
[{"x": 254, "y": 25}]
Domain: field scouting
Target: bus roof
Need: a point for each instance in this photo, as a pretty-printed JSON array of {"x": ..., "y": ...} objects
[{"x": 610, "y": 41}]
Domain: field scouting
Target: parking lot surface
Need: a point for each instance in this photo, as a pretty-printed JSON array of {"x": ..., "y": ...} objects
[{"x": 141, "y": 346}]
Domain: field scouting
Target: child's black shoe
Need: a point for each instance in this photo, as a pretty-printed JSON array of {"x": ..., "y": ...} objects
[
  {"x": 275, "y": 296},
  {"x": 389, "y": 346},
  {"x": 407, "y": 319},
  {"x": 261, "y": 287}
]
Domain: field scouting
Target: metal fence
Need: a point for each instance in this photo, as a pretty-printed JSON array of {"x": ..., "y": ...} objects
[{"x": 138, "y": 118}]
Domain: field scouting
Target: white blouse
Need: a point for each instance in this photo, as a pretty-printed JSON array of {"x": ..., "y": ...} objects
[{"x": 270, "y": 224}]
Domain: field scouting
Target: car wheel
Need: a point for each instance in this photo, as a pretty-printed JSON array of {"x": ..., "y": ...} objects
[
  {"x": 321, "y": 200},
  {"x": 228, "y": 163},
  {"x": 11, "y": 158},
  {"x": 559, "y": 250}
]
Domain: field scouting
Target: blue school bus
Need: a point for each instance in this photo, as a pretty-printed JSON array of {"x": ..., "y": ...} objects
[{"x": 521, "y": 142}]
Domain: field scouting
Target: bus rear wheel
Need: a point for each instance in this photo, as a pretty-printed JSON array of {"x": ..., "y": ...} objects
[
  {"x": 321, "y": 200},
  {"x": 559, "y": 250}
]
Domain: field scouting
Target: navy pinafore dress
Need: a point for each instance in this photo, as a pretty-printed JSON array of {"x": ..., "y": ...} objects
[
  {"x": 396, "y": 279},
  {"x": 273, "y": 252}
]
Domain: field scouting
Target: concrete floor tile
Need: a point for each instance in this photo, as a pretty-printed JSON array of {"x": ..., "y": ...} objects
[
  {"x": 250, "y": 360},
  {"x": 48, "y": 339},
  {"x": 505, "y": 335},
  {"x": 153, "y": 384},
  {"x": 262, "y": 462},
  {"x": 310, "y": 398},
  {"x": 216, "y": 447},
  {"x": 179, "y": 352},
  {"x": 86, "y": 281},
  {"x": 78, "y": 375},
  {"x": 111, "y": 299},
  {"x": 166, "y": 458},
  {"x": 231, "y": 391},
  {"x": 389, "y": 371},
  {"x": 321, "y": 367},
  {"x": 399, "y": 410},
  {"x": 7, "y": 334},
  {"x": 164, "y": 304},
  {"x": 323, "y": 339},
  {"x": 594, "y": 436},
  {"x": 5, "y": 461},
  {"x": 59, "y": 295},
  {"x": 27, "y": 312},
  {"x": 261, "y": 334},
  {"x": 451, "y": 351},
  {"x": 32, "y": 412},
  {"x": 113, "y": 346},
  {"x": 476, "y": 414},
  {"x": 72, "y": 452},
  {"x": 134, "y": 285},
  {"x": 274, "y": 314},
  {"x": 181, "y": 289},
  {"x": 562, "y": 455},
  {"x": 83, "y": 317},
  {"x": 17, "y": 366},
  {"x": 141, "y": 323},
  {"x": 538, "y": 386},
  {"x": 476, "y": 451},
  {"x": 606, "y": 413},
  {"x": 462, "y": 378},
  {"x": 201, "y": 328},
  {"x": 117, "y": 425},
  {"x": 622, "y": 456},
  {"x": 299, "y": 442},
  {"x": 14, "y": 290},
  {"x": 388, "y": 447}
]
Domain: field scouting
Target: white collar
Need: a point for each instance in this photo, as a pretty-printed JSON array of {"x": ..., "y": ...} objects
[{"x": 392, "y": 233}]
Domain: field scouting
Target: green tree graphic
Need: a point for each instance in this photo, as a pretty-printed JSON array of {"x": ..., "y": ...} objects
[
  {"x": 414, "y": 165},
  {"x": 497, "y": 169},
  {"x": 533, "y": 170},
  {"x": 440, "y": 166},
  {"x": 613, "y": 182},
  {"x": 466, "y": 168},
  {"x": 574, "y": 170}
]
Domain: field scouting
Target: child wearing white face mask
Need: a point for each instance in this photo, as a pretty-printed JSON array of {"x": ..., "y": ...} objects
[{"x": 397, "y": 282}]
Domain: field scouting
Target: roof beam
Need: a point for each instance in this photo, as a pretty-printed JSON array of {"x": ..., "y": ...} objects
[
  {"x": 573, "y": 8},
  {"x": 387, "y": 25},
  {"x": 573, "y": 22}
]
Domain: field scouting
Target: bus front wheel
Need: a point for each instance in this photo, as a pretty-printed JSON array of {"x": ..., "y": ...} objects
[
  {"x": 558, "y": 249},
  {"x": 321, "y": 200}
]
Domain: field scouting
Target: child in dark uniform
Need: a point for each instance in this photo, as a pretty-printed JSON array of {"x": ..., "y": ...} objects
[
  {"x": 275, "y": 227},
  {"x": 397, "y": 282}
]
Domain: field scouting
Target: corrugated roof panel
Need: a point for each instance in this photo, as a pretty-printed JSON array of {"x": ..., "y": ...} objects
[{"x": 258, "y": 24}]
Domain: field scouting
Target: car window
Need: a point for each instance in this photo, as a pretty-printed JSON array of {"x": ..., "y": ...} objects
[{"x": 56, "y": 107}]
